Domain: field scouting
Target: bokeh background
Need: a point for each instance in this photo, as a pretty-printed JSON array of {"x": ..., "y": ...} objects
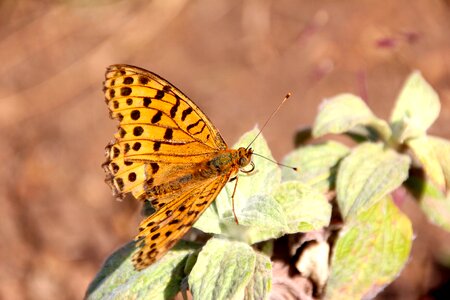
[{"x": 236, "y": 59}]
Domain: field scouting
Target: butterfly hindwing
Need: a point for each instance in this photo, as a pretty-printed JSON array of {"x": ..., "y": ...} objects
[{"x": 160, "y": 231}]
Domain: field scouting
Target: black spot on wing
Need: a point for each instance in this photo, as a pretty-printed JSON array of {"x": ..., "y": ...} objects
[
  {"x": 132, "y": 177},
  {"x": 125, "y": 91},
  {"x": 136, "y": 146},
  {"x": 128, "y": 80},
  {"x": 201, "y": 130},
  {"x": 159, "y": 94},
  {"x": 157, "y": 117},
  {"x": 190, "y": 126},
  {"x": 126, "y": 148},
  {"x": 155, "y": 167},
  {"x": 138, "y": 131},
  {"x": 173, "y": 110},
  {"x": 143, "y": 80},
  {"x": 135, "y": 114},
  {"x": 168, "y": 134},
  {"x": 147, "y": 101},
  {"x": 185, "y": 113}
]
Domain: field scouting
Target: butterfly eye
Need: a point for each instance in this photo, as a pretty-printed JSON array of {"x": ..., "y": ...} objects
[{"x": 243, "y": 161}]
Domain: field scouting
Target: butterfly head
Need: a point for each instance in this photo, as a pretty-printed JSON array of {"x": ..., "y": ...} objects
[{"x": 245, "y": 158}]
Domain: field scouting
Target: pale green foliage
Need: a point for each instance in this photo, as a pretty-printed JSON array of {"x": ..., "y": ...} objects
[
  {"x": 223, "y": 270},
  {"x": 345, "y": 112},
  {"x": 375, "y": 242},
  {"x": 368, "y": 174},
  {"x": 371, "y": 250},
  {"x": 317, "y": 164},
  {"x": 416, "y": 108},
  {"x": 119, "y": 280}
]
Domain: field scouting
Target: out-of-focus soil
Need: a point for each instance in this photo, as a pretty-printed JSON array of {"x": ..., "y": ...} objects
[{"x": 236, "y": 59}]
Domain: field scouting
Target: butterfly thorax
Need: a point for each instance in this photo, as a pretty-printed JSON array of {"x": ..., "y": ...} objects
[
  {"x": 224, "y": 163},
  {"x": 230, "y": 161}
]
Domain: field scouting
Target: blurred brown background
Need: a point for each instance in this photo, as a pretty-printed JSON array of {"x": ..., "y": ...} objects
[{"x": 236, "y": 59}]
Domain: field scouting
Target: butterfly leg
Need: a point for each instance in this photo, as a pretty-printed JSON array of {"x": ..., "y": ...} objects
[{"x": 232, "y": 199}]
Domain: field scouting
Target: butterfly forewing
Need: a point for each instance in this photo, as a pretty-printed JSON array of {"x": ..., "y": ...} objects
[
  {"x": 158, "y": 123},
  {"x": 131, "y": 88}
]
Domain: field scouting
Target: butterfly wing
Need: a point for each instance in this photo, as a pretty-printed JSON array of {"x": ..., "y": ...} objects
[
  {"x": 159, "y": 126},
  {"x": 160, "y": 231}
]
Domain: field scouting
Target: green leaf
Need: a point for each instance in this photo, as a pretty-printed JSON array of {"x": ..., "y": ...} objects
[
  {"x": 441, "y": 149},
  {"x": 305, "y": 208},
  {"x": 261, "y": 219},
  {"x": 434, "y": 203},
  {"x": 317, "y": 164},
  {"x": 223, "y": 270},
  {"x": 425, "y": 152},
  {"x": 437, "y": 210},
  {"x": 119, "y": 280},
  {"x": 368, "y": 174},
  {"x": 345, "y": 112},
  {"x": 370, "y": 252},
  {"x": 416, "y": 108},
  {"x": 261, "y": 282}
]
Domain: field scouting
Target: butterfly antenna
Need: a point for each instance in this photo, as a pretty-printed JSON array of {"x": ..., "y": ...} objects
[
  {"x": 270, "y": 118},
  {"x": 277, "y": 163}
]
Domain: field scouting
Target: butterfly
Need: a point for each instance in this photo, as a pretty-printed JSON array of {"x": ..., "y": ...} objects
[{"x": 166, "y": 151}]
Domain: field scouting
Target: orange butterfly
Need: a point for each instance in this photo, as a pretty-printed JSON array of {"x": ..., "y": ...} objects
[{"x": 166, "y": 151}]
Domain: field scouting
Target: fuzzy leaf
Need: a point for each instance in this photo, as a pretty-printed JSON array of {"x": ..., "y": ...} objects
[
  {"x": 368, "y": 174},
  {"x": 317, "y": 164},
  {"x": 306, "y": 209},
  {"x": 345, "y": 112},
  {"x": 434, "y": 203},
  {"x": 261, "y": 282},
  {"x": 262, "y": 218},
  {"x": 441, "y": 149},
  {"x": 416, "y": 108},
  {"x": 425, "y": 152},
  {"x": 119, "y": 280},
  {"x": 223, "y": 270},
  {"x": 370, "y": 252}
]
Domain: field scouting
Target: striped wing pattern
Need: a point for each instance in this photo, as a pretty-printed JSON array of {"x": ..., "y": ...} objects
[{"x": 158, "y": 124}]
